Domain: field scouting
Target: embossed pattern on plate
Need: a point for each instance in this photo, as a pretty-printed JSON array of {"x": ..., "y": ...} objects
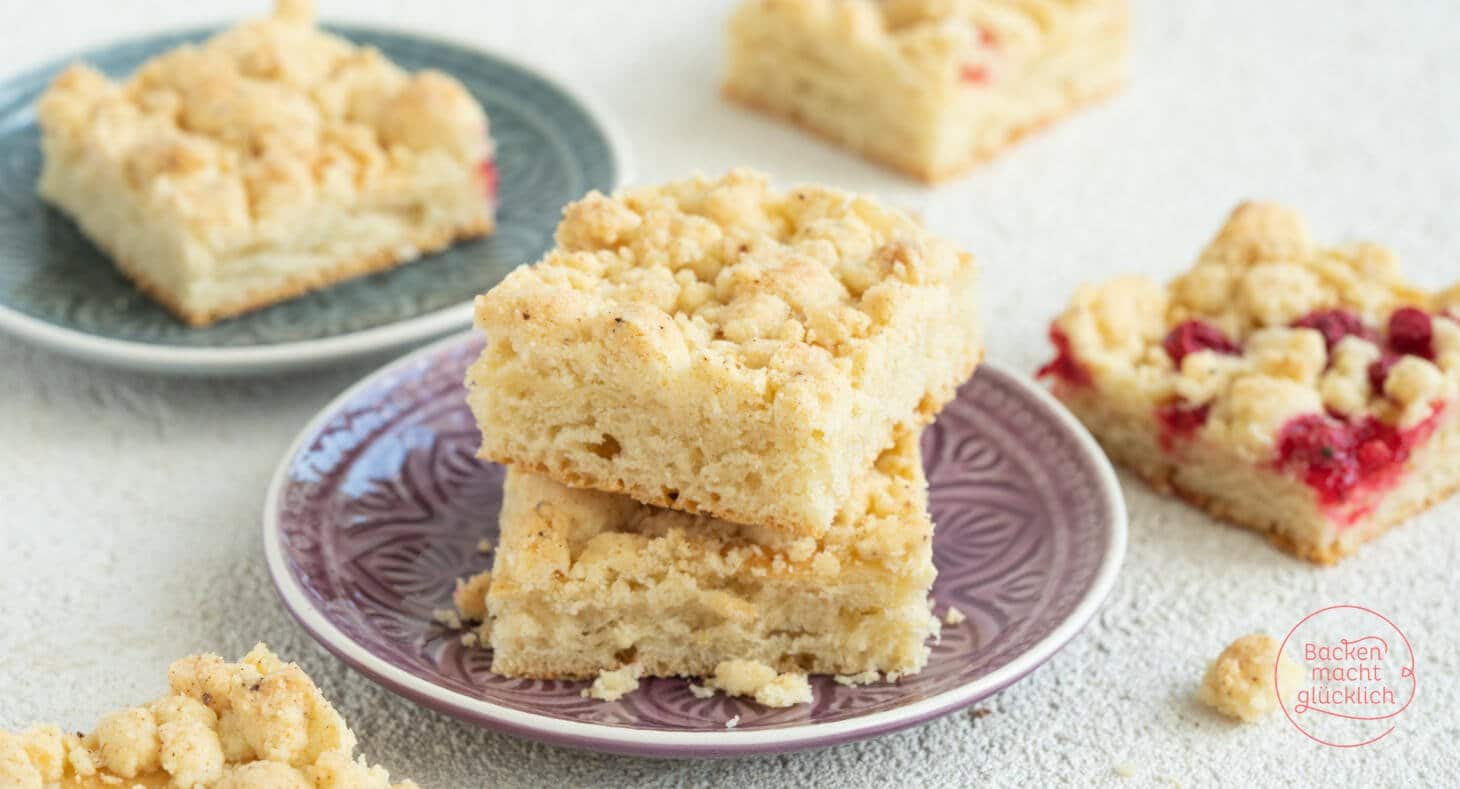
[
  {"x": 381, "y": 505},
  {"x": 551, "y": 150}
]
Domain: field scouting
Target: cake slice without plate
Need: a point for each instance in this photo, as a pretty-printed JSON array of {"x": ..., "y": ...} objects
[
  {"x": 259, "y": 723},
  {"x": 586, "y": 582},
  {"x": 930, "y": 87},
  {"x": 1305, "y": 391},
  {"x": 269, "y": 161},
  {"x": 714, "y": 346}
]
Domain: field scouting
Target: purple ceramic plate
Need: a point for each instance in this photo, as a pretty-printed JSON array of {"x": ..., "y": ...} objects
[{"x": 380, "y": 503}]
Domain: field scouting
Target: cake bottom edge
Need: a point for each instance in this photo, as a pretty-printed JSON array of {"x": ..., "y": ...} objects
[
  {"x": 910, "y": 166},
  {"x": 1309, "y": 534},
  {"x": 299, "y": 283}
]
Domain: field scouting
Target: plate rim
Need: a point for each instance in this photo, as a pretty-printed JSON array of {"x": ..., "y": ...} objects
[
  {"x": 659, "y": 743},
  {"x": 277, "y": 357}
]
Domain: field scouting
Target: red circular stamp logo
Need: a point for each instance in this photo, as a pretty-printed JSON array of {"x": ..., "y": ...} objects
[{"x": 1355, "y": 677}]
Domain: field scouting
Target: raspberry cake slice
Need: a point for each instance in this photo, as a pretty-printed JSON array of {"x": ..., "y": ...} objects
[
  {"x": 259, "y": 723},
  {"x": 929, "y": 87},
  {"x": 1304, "y": 391},
  {"x": 269, "y": 161},
  {"x": 585, "y": 582}
]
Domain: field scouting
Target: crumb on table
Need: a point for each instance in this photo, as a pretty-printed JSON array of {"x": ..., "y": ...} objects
[{"x": 1241, "y": 682}]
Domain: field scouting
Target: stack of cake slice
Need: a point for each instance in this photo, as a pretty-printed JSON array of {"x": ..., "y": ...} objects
[{"x": 709, "y": 397}]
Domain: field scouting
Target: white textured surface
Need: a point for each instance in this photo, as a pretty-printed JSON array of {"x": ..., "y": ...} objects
[{"x": 129, "y": 505}]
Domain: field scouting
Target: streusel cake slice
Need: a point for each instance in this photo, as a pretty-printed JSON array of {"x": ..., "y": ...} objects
[
  {"x": 1305, "y": 391},
  {"x": 930, "y": 87},
  {"x": 271, "y": 160},
  {"x": 715, "y": 346},
  {"x": 259, "y": 723},
  {"x": 586, "y": 582}
]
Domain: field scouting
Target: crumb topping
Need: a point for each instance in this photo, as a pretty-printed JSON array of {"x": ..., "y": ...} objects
[
  {"x": 264, "y": 119},
  {"x": 1241, "y": 683},
  {"x": 259, "y": 723},
  {"x": 1267, "y": 328},
  {"x": 968, "y": 42},
  {"x": 796, "y": 283}
]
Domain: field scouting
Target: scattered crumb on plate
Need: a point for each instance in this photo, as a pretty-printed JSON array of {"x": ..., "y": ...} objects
[
  {"x": 614, "y": 685},
  {"x": 470, "y": 597},
  {"x": 756, "y": 680},
  {"x": 953, "y": 616},
  {"x": 733, "y": 722}
]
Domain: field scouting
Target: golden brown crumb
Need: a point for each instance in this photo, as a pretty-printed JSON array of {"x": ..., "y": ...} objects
[
  {"x": 614, "y": 685},
  {"x": 760, "y": 682},
  {"x": 470, "y": 597},
  {"x": 1240, "y": 682}
]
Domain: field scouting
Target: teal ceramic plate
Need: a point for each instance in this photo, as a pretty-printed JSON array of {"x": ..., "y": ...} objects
[{"x": 59, "y": 291}]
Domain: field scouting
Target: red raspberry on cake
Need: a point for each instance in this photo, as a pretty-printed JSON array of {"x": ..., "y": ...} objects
[{"x": 1304, "y": 391}]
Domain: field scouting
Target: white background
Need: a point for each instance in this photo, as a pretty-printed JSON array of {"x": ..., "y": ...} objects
[{"x": 130, "y": 505}]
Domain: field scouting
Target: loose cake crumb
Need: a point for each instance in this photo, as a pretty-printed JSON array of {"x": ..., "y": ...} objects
[
  {"x": 447, "y": 617},
  {"x": 784, "y": 691},
  {"x": 756, "y": 680},
  {"x": 953, "y": 616},
  {"x": 733, "y": 722},
  {"x": 484, "y": 546},
  {"x": 470, "y": 639},
  {"x": 470, "y": 597},
  {"x": 1240, "y": 682},
  {"x": 614, "y": 685},
  {"x": 864, "y": 678}
]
